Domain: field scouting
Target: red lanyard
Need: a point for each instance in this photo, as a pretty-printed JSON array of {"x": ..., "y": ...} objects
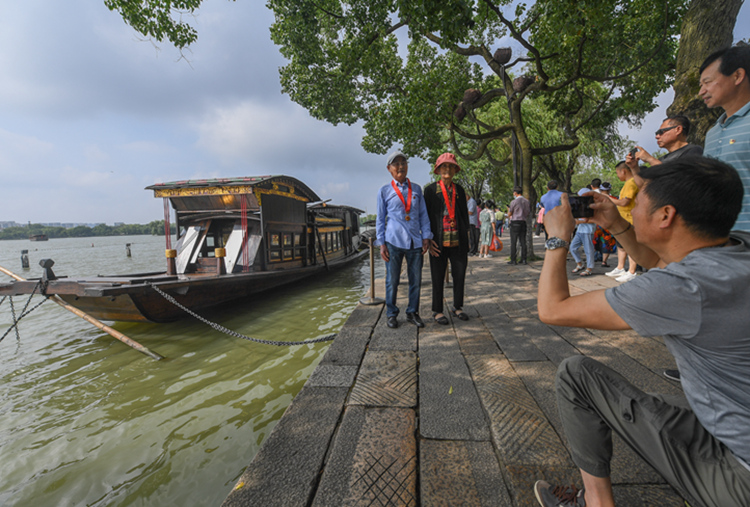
[
  {"x": 407, "y": 204},
  {"x": 452, "y": 205}
]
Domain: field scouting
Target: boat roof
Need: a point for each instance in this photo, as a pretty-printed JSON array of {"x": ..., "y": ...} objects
[
  {"x": 214, "y": 185},
  {"x": 324, "y": 206}
]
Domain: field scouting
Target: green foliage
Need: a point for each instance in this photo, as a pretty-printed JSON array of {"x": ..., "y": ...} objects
[
  {"x": 159, "y": 19},
  {"x": 155, "y": 228},
  {"x": 401, "y": 68}
]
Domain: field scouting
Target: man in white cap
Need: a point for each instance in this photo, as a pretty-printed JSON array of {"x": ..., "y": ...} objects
[{"x": 403, "y": 231}]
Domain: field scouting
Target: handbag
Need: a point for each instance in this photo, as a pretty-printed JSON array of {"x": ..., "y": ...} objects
[{"x": 495, "y": 245}]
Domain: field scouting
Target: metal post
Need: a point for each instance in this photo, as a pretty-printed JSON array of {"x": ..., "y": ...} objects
[{"x": 372, "y": 300}]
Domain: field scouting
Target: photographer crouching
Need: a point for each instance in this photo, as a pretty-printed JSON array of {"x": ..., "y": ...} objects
[{"x": 696, "y": 295}]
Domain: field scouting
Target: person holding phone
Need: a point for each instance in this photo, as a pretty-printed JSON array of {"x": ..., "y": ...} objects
[
  {"x": 584, "y": 238},
  {"x": 682, "y": 223}
]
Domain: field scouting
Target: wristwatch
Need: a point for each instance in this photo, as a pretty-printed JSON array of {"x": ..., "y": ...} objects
[{"x": 554, "y": 243}]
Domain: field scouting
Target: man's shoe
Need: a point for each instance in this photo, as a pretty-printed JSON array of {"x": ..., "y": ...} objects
[
  {"x": 524, "y": 261},
  {"x": 558, "y": 496},
  {"x": 615, "y": 272},
  {"x": 625, "y": 277},
  {"x": 414, "y": 319},
  {"x": 512, "y": 263},
  {"x": 392, "y": 322},
  {"x": 672, "y": 375}
]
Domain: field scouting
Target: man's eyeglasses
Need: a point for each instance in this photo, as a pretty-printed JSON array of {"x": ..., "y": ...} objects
[{"x": 662, "y": 131}]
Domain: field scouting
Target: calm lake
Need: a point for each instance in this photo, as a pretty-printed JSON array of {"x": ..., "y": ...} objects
[{"x": 86, "y": 420}]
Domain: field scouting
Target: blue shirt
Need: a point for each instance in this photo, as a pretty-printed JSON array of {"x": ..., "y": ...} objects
[
  {"x": 473, "y": 216},
  {"x": 391, "y": 225},
  {"x": 550, "y": 200},
  {"x": 729, "y": 141}
]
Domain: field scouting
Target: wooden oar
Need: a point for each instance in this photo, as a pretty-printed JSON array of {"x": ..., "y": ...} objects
[{"x": 88, "y": 318}]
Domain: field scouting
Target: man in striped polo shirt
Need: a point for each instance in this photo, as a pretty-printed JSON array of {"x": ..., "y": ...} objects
[{"x": 725, "y": 82}]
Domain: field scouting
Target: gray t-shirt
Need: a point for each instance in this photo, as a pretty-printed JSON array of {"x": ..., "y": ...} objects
[{"x": 701, "y": 305}]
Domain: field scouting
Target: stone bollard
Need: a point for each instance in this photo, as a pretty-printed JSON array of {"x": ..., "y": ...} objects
[
  {"x": 127, "y": 249},
  {"x": 25, "y": 259},
  {"x": 220, "y": 253}
]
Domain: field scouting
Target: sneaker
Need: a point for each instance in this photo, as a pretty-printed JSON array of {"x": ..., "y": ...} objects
[
  {"x": 615, "y": 272},
  {"x": 672, "y": 375},
  {"x": 487, "y": 256},
  {"x": 558, "y": 496},
  {"x": 626, "y": 277}
]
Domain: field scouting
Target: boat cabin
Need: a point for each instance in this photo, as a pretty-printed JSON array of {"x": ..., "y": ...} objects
[{"x": 248, "y": 224}]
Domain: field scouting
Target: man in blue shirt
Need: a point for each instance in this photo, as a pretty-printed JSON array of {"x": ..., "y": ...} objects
[
  {"x": 403, "y": 231},
  {"x": 551, "y": 198},
  {"x": 725, "y": 83}
]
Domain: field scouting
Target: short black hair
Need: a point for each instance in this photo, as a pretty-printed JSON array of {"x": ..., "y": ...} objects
[
  {"x": 622, "y": 162},
  {"x": 681, "y": 120},
  {"x": 552, "y": 184},
  {"x": 596, "y": 182},
  {"x": 732, "y": 58},
  {"x": 518, "y": 190},
  {"x": 706, "y": 193}
]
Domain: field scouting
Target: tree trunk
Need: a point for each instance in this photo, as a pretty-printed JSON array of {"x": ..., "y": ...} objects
[
  {"x": 707, "y": 27},
  {"x": 527, "y": 160}
]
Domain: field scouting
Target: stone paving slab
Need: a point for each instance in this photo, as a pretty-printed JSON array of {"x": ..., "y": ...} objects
[
  {"x": 364, "y": 315},
  {"x": 373, "y": 460},
  {"x": 348, "y": 347},
  {"x": 520, "y": 430},
  {"x": 449, "y": 407},
  {"x": 510, "y": 337},
  {"x": 404, "y": 337},
  {"x": 474, "y": 338},
  {"x": 386, "y": 379},
  {"x": 460, "y": 473}
]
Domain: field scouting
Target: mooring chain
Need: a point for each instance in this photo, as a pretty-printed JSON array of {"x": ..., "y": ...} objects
[
  {"x": 222, "y": 329},
  {"x": 24, "y": 313}
]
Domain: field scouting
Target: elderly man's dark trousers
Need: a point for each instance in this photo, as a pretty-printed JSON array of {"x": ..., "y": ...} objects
[{"x": 517, "y": 233}]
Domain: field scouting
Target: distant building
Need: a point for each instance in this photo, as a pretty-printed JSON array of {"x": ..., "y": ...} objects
[
  {"x": 5, "y": 225},
  {"x": 118, "y": 224}
]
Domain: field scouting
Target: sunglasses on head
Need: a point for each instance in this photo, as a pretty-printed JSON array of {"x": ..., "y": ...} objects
[{"x": 661, "y": 131}]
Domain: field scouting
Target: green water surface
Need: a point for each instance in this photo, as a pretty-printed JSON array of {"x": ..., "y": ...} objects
[{"x": 86, "y": 420}]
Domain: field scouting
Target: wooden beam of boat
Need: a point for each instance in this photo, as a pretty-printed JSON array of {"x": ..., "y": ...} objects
[{"x": 88, "y": 318}]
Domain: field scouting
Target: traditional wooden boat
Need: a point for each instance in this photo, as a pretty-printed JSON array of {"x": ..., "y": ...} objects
[
  {"x": 235, "y": 237},
  {"x": 38, "y": 237}
]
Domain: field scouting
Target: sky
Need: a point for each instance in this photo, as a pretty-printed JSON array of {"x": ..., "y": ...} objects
[{"x": 91, "y": 114}]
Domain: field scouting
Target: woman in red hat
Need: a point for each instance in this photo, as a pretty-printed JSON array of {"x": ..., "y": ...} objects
[{"x": 449, "y": 221}]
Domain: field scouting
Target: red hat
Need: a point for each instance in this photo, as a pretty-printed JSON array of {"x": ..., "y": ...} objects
[{"x": 446, "y": 158}]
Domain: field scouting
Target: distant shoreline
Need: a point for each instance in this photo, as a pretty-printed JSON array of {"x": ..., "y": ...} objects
[{"x": 155, "y": 228}]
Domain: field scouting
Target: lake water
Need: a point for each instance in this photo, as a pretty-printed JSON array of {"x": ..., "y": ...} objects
[{"x": 86, "y": 420}]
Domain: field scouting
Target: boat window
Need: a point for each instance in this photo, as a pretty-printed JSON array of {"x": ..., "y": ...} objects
[{"x": 274, "y": 240}]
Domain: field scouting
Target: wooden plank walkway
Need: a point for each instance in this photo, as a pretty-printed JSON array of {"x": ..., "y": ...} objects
[{"x": 463, "y": 414}]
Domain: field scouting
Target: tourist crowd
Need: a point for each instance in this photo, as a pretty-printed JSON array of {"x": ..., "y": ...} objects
[{"x": 683, "y": 219}]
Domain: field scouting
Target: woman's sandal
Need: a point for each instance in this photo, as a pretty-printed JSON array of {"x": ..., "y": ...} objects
[
  {"x": 585, "y": 272},
  {"x": 443, "y": 321},
  {"x": 577, "y": 269},
  {"x": 605, "y": 265},
  {"x": 462, "y": 315}
]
